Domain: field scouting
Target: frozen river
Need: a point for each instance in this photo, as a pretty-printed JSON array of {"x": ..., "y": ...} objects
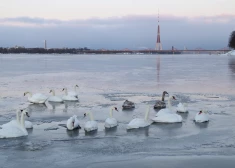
[{"x": 201, "y": 81}]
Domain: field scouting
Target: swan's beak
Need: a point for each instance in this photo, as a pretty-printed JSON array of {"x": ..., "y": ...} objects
[
  {"x": 63, "y": 89},
  {"x": 166, "y": 93},
  {"x": 77, "y": 86},
  {"x": 24, "y": 94},
  {"x": 174, "y": 97},
  {"x": 27, "y": 114},
  {"x": 115, "y": 108},
  {"x": 50, "y": 91},
  {"x": 84, "y": 115}
]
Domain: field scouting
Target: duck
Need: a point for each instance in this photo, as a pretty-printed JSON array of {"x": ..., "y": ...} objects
[
  {"x": 167, "y": 115},
  {"x": 67, "y": 97},
  {"x": 128, "y": 105},
  {"x": 54, "y": 98},
  {"x": 201, "y": 116},
  {"x": 36, "y": 98},
  {"x": 74, "y": 93},
  {"x": 182, "y": 108},
  {"x": 14, "y": 129},
  {"x": 73, "y": 123},
  {"x": 90, "y": 125},
  {"x": 160, "y": 103},
  {"x": 111, "y": 122},
  {"x": 140, "y": 122}
]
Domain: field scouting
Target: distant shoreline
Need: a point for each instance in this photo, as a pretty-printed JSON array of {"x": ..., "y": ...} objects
[{"x": 22, "y": 50}]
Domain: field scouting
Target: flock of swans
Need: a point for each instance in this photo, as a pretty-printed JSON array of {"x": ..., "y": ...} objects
[{"x": 166, "y": 114}]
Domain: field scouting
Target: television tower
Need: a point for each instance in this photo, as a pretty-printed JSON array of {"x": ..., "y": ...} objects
[{"x": 158, "y": 44}]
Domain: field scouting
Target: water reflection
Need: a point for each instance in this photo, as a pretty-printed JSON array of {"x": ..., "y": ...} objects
[
  {"x": 30, "y": 131},
  {"x": 183, "y": 115},
  {"x": 231, "y": 65},
  {"x": 110, "y": 131},
  {"x": 158, "y": 69},
  {"x": 36, "y": 108},
  {"x": 139, "y": 131},
  {"x": 168, "y": 126},
  {"x": 201, "y": 125},
  {"x": 91, "y": 133},
  {"x": 68, "y": 104},
  {"x": 54, "y": 106},
  {"x": 72, "y": 133}
]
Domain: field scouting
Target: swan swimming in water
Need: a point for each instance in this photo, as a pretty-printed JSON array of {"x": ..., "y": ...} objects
[
  {"x": 67, "y": 97},
  {"x": 74, "y": 93},
  {"x": 36, "y": 98},
  {"x": 160, "y": 103},
  {"x": 73, "y": 123},
  {"x": 201, "y": 116},
  {"x": 167, "y": 115},
  {"x": 90, "y": 125},
  {"x": 182, "y": 108},
  {"x": 54, "y": 98},
  {"x": 111, "y": 122},
  {"x": 128, "y": 105},
  {"x": 14, "y": 129},
  {"x": 28, "y": 124},
  {"x": 140, "y": 122}
]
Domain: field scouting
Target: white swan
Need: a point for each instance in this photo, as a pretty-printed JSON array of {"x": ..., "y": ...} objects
[
  {"x": 201, "y": 116},
  {"x": 73, "y": 123},
  {"x": 28, "y": 124},
  {"x": 74, "y": 93},
  {"x": 111, "y": 122},
  {"x": 182, "y": 108},
  {"x": 90, "y": 125},
  {"x": 167, "y": 115},
  {"x": 54, "y": 98},
  {"x": 140, "y": 122},
  {"x": 14, "y": 129},
  {"x": 36, "y": 98},
  {"x": 67, "y": 97}
]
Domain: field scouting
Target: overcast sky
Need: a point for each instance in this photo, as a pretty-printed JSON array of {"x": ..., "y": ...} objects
[{"x": 116, "y": 24}]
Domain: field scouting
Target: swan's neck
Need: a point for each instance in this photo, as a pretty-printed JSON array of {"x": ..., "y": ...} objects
[
  {"x": 147, "y": 114},
  {"x": 23, "y": 120},
  {"x": 111, "y": 113},
  {"x": 75, "y": 88},
  {"x": 53, "y": 92},
  {"x": 163, "y": 96},
  {"x": 18, "y": 117},
  {"x": 169, "y": 103},
  {"x": 91, "y": 116}
]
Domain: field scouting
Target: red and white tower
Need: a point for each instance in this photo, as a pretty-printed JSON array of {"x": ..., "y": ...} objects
[{"x": 158, "y": 44}]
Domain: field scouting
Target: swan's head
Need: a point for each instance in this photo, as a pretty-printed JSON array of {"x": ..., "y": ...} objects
[
  {"x": 165, "y": 92},
  {"x": 115, "y": 108},
  {"x": 25, "y": 112},
  {"x": 51, "y": 91},
  {"x": 173, "y": 98},
  {"x": 64, "y": 89},
  {"x": 84, "y": 115},
  {"x": 76, "y": 86},
  {"x": 25, "y": 93}
]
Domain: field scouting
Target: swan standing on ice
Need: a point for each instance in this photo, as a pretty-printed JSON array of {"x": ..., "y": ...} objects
[
  {"x": 36, "y": 98},
  {"x": 182, "y": 108},
  {"x": 160, "y": 103},
  {"x": 14, "y": 129},
  {"x": 67, "y": 97},
  {"x": 167, "y": 115},
  {"x": 54, "y": 98},
  {"x": 74, "y": 93},
  {"x": 140, "y": 122},
  {"x": 201, "y": 116},
  {"x": 73, "y": 123},
  {"x": 111, "y": 122},
  {"x": 90, "y": 125}
]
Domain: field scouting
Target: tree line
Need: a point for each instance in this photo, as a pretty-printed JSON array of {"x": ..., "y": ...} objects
[{"x": 19, "y": 50}]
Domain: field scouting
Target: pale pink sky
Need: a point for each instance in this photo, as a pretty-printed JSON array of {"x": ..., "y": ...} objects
[{"x": 84, "y": 9}]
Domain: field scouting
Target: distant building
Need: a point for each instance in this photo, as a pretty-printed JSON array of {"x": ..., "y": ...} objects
[
  {"x": 45, "y": 44},
  {"x": 158, "y": 44}
]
